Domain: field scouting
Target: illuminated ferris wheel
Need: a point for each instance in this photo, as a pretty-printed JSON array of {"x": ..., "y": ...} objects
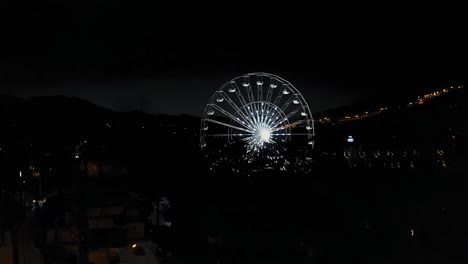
[{"x": 257, "y": 119}]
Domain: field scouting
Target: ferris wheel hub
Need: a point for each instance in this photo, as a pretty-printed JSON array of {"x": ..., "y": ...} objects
[{"x": 264, "y": 134}]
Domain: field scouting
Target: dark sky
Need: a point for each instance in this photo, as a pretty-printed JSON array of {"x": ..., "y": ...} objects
[{"x": 170, "y": 56}]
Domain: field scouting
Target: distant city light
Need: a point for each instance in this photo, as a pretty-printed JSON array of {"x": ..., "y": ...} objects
[
  {"x": 134, "y": 245},
  {"x": 412, "y": 232}
]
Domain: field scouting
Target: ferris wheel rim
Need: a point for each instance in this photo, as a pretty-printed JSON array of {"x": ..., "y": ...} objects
[{"x": 284, "y": 81}]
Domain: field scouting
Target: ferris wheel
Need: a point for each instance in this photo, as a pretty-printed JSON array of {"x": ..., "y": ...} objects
[{"x": 259, "y": 119}]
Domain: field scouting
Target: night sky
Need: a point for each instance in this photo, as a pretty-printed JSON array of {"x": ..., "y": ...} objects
[{"x": 170, "y": 56}]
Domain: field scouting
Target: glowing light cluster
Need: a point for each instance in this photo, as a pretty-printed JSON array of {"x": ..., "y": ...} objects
[
  {"x": 420, "y": 100},
  {"x": 264, "y": 134}
]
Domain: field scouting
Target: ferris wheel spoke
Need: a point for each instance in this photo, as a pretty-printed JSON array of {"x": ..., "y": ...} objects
[
  {"x": 235, "y": 107},
  {"x": 257, "y": 113},
  {"x": 241, "y": 99},
  {"x": 295, "y": 111},
  {"x": 302, "y": 121},
  {"x": 234, "y": 118},
  {"x": 270, "y": 91},
  {"x": 279, "y": 122},
  {"x": 272, "y": 141},
  {"x": 256, "y": 107},
  {"x": 238, "y": 93},
  {"x": 286, "y": 104},
  {"x": 247, "y": 138},
  {"x": 280, "y": 118},
  {"x": 228, "y": 125},
  {"x": 271, "y": 112},
  {"x": 235, "y": 89},
  {"x": 229, "y": 135},
  {"x": 274, "y": 117},
  {"x": 262, "y": 113},
  {"x": 267, "y": 112},
  {"x": 288, "y": 116},
  {"x": 248, "y": 88},
  {"x": 251, "y": 97},
  {"x": 274, "y": 123},
  {"x": 269, "y": 108},
  {"x": 259, "y": 88},
  {"x": 250, "y": 92},
  {"x": 279, "y": 94},
  {"x": 290, "y": 134}
]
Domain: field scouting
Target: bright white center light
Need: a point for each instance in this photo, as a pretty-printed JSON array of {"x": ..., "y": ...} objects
[{"x": 264, "y": 134}]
